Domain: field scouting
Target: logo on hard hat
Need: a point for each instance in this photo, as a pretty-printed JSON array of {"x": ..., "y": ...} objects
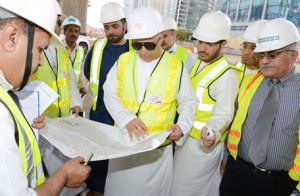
[
  {"x": 268, "y": 39},
  {"x": 138, "y": 26},
  {"x": 71, "y": 19}
]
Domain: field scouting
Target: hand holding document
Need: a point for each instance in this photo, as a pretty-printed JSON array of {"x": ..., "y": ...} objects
[
  {"x": 78, "y": 137},
  {"x": 34, "y": 99}
]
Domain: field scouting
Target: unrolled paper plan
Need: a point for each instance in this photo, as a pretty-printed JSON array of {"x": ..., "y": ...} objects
[{"x": 80, "y": 136}]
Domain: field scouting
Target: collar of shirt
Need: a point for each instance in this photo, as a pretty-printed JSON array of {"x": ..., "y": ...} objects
[
  {"x": 173, "y": 48},
  {"x": 4, "y": 83},
  {"x": 70, "y": 51}
]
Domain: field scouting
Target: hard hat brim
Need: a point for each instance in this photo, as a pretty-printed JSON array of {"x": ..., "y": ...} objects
[
  {"x": 55, "y": 40},
  {"x": 140, "y": 36}
]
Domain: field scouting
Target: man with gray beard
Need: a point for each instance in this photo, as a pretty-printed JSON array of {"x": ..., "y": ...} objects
[{"x": 98, "y": 62}]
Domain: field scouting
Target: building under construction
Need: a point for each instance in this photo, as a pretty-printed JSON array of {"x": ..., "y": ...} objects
[{"x": 76, "y": 8}]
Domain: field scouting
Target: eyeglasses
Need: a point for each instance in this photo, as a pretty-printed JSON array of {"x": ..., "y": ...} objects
[
  {"x": 271, "y": 55},
  {"x": 59, "y": 22},
  {"x": 147, "y": 45}
]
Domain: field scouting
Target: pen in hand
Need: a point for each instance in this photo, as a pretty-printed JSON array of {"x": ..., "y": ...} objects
[{"x": 87, "y": 159}]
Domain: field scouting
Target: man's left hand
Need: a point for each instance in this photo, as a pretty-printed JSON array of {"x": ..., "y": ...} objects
[{"x": 39, "y": 122}]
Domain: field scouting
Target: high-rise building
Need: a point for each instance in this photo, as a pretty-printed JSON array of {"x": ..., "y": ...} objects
[
  {"x": 241, "y": 12},
  {"x": 189, "y": 12},
  {"x": 182, "y": 13}
]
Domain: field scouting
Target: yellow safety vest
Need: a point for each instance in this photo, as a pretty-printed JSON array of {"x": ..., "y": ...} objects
[
  {"x": 201, "y": 82},
  {"x": 158, "y": 108},
  {"x": 244, "y": 78},
  {"x": 96, "y": 68},
  {"x": 236, "y": 128},
  {"x": 182, "y": 53},
  {"x": 59, "y": 83},
  {"x": 28, "y": 146},
  {"x": 78, "y": 61}
]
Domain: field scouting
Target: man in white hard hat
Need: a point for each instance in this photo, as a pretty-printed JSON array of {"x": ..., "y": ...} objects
[
  {"x": 72, "y": 26},
  {"x": 143, "y": 91},
  {"x": 216, "y": 84},
  {"x": 168, "y": 44},
  {"x": 58, "y": 74},
  {"x": 249, "y": 64},
  {"x": 24, "y": 34},
  {"x": 267, "y": 164},
  {"x": 99, "y": 61}
]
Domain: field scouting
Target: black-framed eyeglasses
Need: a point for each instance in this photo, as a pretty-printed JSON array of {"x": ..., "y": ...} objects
[
  {"x": 271, "y": 54},
  {"x": 147, "y": 45},
  {"x": 59, "y": 22}
]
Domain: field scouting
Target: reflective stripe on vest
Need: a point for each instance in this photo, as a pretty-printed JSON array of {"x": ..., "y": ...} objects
[
  {"x": 294, "y": 172},
  {"x": 28, "y": 146},
  {"x": 59, "y": 83},
  {"x": 182, "y": 53},
  {"x": 78, "y": 61},
  {"x": 244, "y": 79},
  {"x": 241, "y": 73},
  {"x": 201, "y": 82},
  {"x": 95, "y": 69},
  {"x": 236, "y": 127},
  {"x": 158, "y": 108}
]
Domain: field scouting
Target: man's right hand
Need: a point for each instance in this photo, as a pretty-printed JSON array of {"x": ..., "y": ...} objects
[
  {"x": 75, "y": 172},
  {"x": 137, "y": 128}
]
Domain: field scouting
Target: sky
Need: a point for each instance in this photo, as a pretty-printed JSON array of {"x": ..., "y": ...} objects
[{"x": 93, "y": 12}]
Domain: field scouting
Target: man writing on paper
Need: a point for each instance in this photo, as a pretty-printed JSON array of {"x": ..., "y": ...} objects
[{"x": 24, "y": 34}]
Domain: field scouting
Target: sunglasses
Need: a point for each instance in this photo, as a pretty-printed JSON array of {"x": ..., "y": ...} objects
[
  {"x": 59, "y": 22},
  {"x": 271, "y": 55},
  {"x": 147, "y": 45}
]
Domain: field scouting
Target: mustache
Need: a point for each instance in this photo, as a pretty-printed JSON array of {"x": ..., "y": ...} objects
[
  {"x": 202, "y": 52},
  {"x": 266, "y": 66}
]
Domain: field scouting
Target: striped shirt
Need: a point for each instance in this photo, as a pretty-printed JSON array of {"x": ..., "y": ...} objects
[{"x": 283, "y": 139}]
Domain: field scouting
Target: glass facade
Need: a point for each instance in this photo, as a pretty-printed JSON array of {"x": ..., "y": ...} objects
[
  {"x": 194, "y": 16},
  {"x": 241, "y": 11}
]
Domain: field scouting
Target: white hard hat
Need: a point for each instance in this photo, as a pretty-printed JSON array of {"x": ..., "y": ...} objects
[
  {"x": 57, "y": 8},
  {"x": 250, "y": 35},
  {"x": 111, "y": 12},
  {"x": 276, "y": 34},
  {"x": 40, "y": 13},
  {"x": 144, "y": 22},
  {"x": 213, "y": 27},
  {"x": 71, "y": 20},
  {"x": 169, "y": 23}
]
